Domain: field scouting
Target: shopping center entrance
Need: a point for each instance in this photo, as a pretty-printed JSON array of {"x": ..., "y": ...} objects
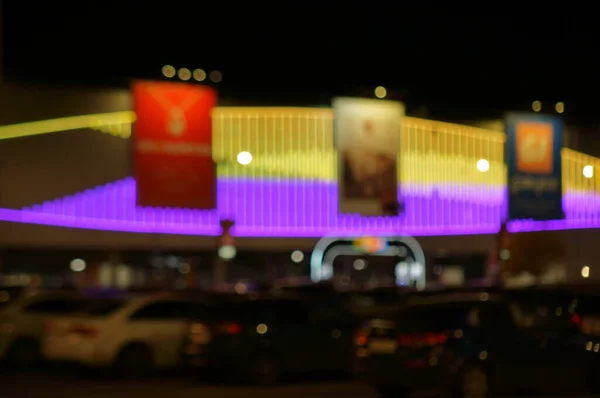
[{"x": 369, "y": 260}]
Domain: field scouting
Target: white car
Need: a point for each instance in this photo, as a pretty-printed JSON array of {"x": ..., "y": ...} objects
[
  {"x": 133, "y": 335},
  {"x": 23, "y": 316}
]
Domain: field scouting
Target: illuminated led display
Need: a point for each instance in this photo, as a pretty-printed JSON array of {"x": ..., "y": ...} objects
[
  {"x": 295, "y": 208},
  {"x": 115, "y": 123},
  {"x": 289, "y": 187}
]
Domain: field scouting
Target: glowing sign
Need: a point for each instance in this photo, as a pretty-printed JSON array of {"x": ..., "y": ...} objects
[
  {"x": 328, "y": 248},
  {"x": 370, "y": 244}
]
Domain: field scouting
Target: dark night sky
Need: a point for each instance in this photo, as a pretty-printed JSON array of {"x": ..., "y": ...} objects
[{"x": 456, "y": 61}]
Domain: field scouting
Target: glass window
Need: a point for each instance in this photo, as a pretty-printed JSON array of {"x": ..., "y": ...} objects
[
  {"x": 547, "y": 310},
  {"x": 434, "y": 318},
  {"x": 51, "y": 306},
  {"x": 291, "y": 313},
  {"x": 102, "y": 307},
  {"x": 496, "y": 316},
  {"x": 9, "y": 294},
  {"x": 164, "y": 310}
]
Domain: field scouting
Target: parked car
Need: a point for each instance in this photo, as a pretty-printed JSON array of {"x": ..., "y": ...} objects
[
  {"x": 23, "y": 315},
  {"x": 469, "y": 344},
  {"x": 261, "y": 340},
  {"x": 132, "y": 335}
]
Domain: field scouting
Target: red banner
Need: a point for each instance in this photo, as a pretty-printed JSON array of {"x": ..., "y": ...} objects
[{"x": 173, "y": 163}]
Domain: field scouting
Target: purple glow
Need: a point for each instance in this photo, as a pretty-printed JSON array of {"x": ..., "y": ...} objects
[{"x": 298, "y": 209}]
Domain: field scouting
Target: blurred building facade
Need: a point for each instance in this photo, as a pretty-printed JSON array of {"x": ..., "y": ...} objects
[{"x": 284, "y": 200}]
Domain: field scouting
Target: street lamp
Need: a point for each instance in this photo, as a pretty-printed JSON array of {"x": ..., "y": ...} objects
[
  {"x": 184, "y": 74},
  {"x": 380, "y": 92},
  {"x": 168, "y": 71}
]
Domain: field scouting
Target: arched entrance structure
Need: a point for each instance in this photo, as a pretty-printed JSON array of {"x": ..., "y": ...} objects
[{"x": 328, "y": 248}]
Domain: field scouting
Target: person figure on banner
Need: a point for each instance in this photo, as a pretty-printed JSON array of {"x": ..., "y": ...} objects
[{"x": 368, "y": 168}]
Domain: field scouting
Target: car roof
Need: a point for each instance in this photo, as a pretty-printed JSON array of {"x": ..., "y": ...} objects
[{"x": 453, "y": 297}]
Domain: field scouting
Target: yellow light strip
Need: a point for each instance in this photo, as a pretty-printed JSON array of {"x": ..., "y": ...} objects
[
  {"x": 116, "y": 123},
  {"x": 573, "y": 178},
  {"x": 271, "y": 112},
  {"x": 297, "y": 142}
]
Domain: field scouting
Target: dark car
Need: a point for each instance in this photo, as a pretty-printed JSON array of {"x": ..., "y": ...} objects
[
  {"x": 261, "y": 340},
  {"x": 469, "y": 344}
]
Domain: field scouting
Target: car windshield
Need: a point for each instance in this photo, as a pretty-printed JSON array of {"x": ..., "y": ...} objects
[
  {"x": 9, "y": 294},
  {"x": 435, "y": 317},
  {"x": 101, "y": 306}
]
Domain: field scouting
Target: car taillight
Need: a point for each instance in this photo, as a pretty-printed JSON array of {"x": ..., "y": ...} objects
[
  {"x": 576, "y": 319},
  {"x": 360, "y": 338},
  {"x": 49, "y": 327},
  {"x": 230, "y": 328},
  {"x": 83, "y": 331},
  {"x": 422, "y": 339}
]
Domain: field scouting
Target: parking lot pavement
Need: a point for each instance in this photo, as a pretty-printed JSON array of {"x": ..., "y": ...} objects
[{"x": 63, "y": 384}]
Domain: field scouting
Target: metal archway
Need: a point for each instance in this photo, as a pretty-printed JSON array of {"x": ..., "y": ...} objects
[{"x": 320, "y": 254}]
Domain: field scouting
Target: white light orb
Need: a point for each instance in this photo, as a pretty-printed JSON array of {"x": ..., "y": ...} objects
[
  {"x": 359, "y": 264},
  {"x": 585, "y": 271},
  {"x": 483, "y": 165},
  {"x": 297, "y": 256},
  {"x": 380, "y": 92},
  {"x": 78, "y": 265},
  {"x": 227, "y": 252},
  {"x": 244, "y": 158}
]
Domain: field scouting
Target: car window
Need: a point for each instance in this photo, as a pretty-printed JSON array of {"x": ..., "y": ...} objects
[
  {"x": 587, "y": 305},
  {"x": 544, "y": 310},
  {"x": 496, "y": 316},
  {"x": 102, "y": 307},
  {"x": 291, "y": 313},
  {"x": 54, "y": 306},
  {"x": 164, "y": 310},
  {"x": 434, "y": 318},
  {"x": 330, "y": 313},
  {"x": 9, "y": 294}
]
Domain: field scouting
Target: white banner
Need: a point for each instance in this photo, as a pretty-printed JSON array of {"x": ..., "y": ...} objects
[{"x": 367, "y": 135}]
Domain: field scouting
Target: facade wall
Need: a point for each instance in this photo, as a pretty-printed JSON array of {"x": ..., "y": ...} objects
[
  {"x": 53, "y": 165},
  {"x": 581, "y": 244},
  {"x": 291, "y": 143},
  {"x": 294, "y": 162}
]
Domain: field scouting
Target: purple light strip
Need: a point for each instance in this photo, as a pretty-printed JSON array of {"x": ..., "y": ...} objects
[{"x": 298, "y": 209}]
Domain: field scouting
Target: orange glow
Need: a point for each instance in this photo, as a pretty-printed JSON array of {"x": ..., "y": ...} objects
[{"x": 534, "y": 148}]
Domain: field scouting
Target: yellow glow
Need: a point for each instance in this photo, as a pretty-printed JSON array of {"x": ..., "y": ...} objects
[
  {"x": 585, "y": 271},
  {"x": 168, "y": 71},
  {"x": 536, "y": 106},
  {"x": 284, "y": 142},
  {"x": 483, "y": 165},
  {"x": 184, "y": 74},
  {"x": 444, "y": 153},
  {"x": 244, "y": 158},
  {"x": 578, "y": 172},
  {"x": 199, "y": 75},
  {"x": 298, "y": 143},
  {"x": 216, "y": 76},
  {"x": 262, "y": 329},
  {"x": 380, "y": 92},
  {"x": 560, "y": 107},
  {"x": 116, "y": 123}
]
